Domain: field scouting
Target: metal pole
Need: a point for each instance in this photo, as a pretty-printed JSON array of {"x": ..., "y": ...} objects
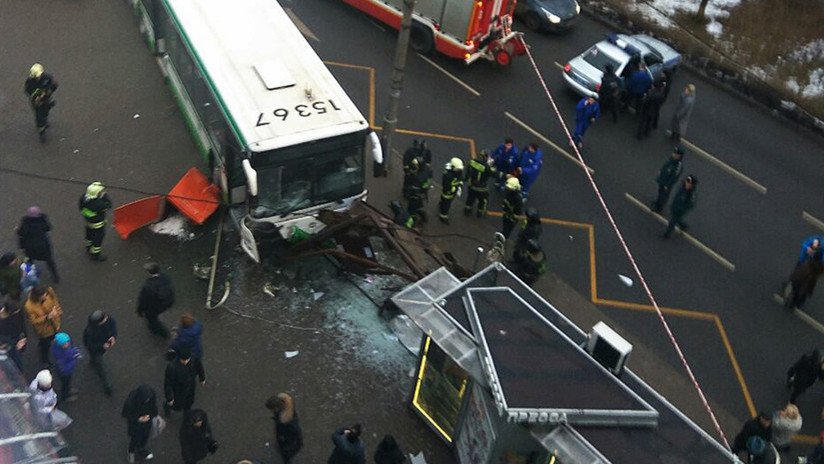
[{"x": 390, "y": 119}]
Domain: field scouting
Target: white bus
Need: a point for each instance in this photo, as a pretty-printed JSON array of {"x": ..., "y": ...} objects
[{"x": 277, "y": 129}]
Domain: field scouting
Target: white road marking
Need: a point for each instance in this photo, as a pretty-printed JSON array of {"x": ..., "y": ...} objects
[
  {"x": 451, "y": 76},
  {"x": 707, "y": 250},
  {"x": 725, "y": 167},
  {"x": 811, "y": 321},
  {"x": 303, "y": 28},
  {"x": 812, "y": 220},
  {"x": 559, "y": 65},
  {"x": 548, "y": 142}
]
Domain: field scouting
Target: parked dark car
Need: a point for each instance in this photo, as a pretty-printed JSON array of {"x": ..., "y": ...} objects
[{"x": 547, "y": 15}]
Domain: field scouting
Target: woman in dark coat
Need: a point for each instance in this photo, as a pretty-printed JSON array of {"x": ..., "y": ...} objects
[
  {"x": 33, "y": 234},
  {"x": 803, "y": 280},
  {"x": 196, "y": 440},
  {"x": 389, "y": 452},
  {"x": 287, "y": 428},
  {"x": 140, "y": 409}
]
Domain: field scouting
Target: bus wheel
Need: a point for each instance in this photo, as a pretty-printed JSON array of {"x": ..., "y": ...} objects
[
  {"x": 503, "y": 57},
  {"x": 421, "y": 39}
]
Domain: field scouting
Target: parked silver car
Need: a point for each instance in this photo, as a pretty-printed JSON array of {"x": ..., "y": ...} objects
[{"x": 583, "y": 73}]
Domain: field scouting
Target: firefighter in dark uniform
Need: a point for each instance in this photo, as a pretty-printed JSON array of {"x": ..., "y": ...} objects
[
  {"x": 417, "y": 150},
  {"x": 417, "y": 182},
  {"x": 513, "y": 206},
  {"x": 477, "y": 176},
  {"x": 667, "y": 177},
  {"x": 531, "y": 231},
  {"x": 530, "y": 262},
  {"x": 39, "y": 87},
  {"x": 452, "y": 186},
  {"x": 93, "y": 205}
]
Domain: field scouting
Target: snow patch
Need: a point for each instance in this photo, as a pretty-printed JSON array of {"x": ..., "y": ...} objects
[
  {"x": 808, "y": 52},
  {"x": 174, "y": 225},
  {"x": 659, "y": 11},
  {"x": 815, "y": 87}
]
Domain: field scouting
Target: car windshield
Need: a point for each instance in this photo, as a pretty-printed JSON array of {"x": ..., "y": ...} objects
[{"x": 598, "y": 59}]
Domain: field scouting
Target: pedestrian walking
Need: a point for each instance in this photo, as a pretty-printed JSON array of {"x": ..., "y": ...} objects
[
  {"x": 33, "y": 237},
  {"x": 180, "y": 381},
  {"x": 506, "y": 158},
  {"x": 93, "y": 206},
  {"x": 44, "y": 311},
  {"x": 196, "y": 440},
  {"x": 480, "y": 170},
  {"x": 761, "y": 451},
  {"x": 451, "y": 187},
  {"x": 10, "y": 276},
  {"x": 349, "y": 448},
  {"x": 609, "y": 94},
  {"x": 65, "y": 360},
  {"x": 13, "y": 337},
  {"x": 512, "y": 206},
  {"x": 786, "y": 423},
  {"x": 389, "y": 452},
  {"x": 682, "y": 204},
  {"x": 40, "y": 87},
  {"x": 803, "y": 374},
  {"x": 586, "y": 112},
  {"x": 44, "y": 404},
  {"x": 156, "y": 296},
  {"x": 288, "y": 433},
  {"x": 681, "y": 117},
  {"x": 99, "y": 337},
  {"x": 139, "y": 410},
  {"x": 650, "y": 110},
  {"x": 529, "y": 263},
  {"x": 758, "y": 426},
  {"x": 532, "y": 159},
  {"x": 804, "y": 278},
  {"x": 668, "y": 175},
  {"x": 188, "y": 334}
]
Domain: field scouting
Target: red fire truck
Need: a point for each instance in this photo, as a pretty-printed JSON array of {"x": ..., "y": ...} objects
[{"x": 464, "y": 29}]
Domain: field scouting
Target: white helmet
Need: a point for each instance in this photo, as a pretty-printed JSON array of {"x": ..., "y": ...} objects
[
  {"x": 44, "y": 379},
  {"x": 36, "y": 70},
  {"x": 456, "y": 163},
  {"x": 513, "y": 183}
]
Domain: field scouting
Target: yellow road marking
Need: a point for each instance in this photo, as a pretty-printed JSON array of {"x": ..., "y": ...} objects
[
  {"x": 371, "y": 72},
  {"x": 736, "y": 368},
  {"x": 547, "y": 141},
  {"x": 725, "y": 167},
  {"x": 694, "y": 241}
]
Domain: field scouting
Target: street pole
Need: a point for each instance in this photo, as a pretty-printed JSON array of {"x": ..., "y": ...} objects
[{"x": 390, "y": 119}]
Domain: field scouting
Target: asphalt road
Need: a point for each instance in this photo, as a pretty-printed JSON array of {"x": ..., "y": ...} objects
[{"x": 758, "y": 231}]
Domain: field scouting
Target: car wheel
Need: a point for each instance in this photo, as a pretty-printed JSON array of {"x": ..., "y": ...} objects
[
  {"x": 532, "y": 21},
  {"x": 421, "y": 39}
]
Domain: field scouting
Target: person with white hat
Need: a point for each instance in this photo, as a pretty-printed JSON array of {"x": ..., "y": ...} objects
[
  {"x": 40, "y": 86},
  {"x": 452, "y": 186},
  {"x": 44, "y": 403}
]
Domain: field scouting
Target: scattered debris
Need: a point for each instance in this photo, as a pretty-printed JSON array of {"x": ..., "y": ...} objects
[
  {"x": 317, "y": 295},
  {"x": 417, "y": 458},
  {"x": 174, "y": 225},
  {"x": 408, "y": 333},
  {"x": 290, "y": 354},
  {"x": 270, "y": 289},
  {"x": 202, "y": 271},
  {"x": 135, "y": 116},
  {"x": 625, "y": 280}
]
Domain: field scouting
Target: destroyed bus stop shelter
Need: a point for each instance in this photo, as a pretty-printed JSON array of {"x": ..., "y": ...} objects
[{"x": 504, "y": 376}]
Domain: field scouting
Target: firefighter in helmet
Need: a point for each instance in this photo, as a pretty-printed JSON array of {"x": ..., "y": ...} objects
[
  {"x": 477, "y": 176},
  {"x": 513, "y": 206},
  {"x": 452, "y": 186},
  {"x": 531, "y": 231},
  {"x": 530, "y": 262},
  {"x": 40, "y": 86},
  {"x": 93, "y": 205},
  {"x": 417, "y": 182}
]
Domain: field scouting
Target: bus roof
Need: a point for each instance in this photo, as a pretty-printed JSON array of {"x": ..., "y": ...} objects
[{"x": 273, "y": 87}]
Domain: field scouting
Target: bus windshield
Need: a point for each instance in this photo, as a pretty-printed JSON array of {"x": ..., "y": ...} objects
[{"x": 308, "y": 181}]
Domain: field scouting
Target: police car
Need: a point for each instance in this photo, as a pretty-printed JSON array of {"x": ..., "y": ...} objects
[{"x": 583, "y": 73}]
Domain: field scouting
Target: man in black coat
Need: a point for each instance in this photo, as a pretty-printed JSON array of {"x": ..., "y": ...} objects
[
  {"x": 33, "y": 237},
  {"x": 609, "y": 94},
  {"x": 139, "y": 410},
  {"x": 181, "y": 379},
  {"x": 100, "y": 336},
  {"x": 758, "y": 426},
  {"x": 650, "y": 111},
  {"x": 156, "y": 296},
  {"x": 13, "y": 336},
  {"x": 667, "y": 177},
  {"x": 682, "y": 204},
  {"x": 803, "y": 374},
  {"x": 349, "y": 447},
  {"x": 196, "y": 440}
]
